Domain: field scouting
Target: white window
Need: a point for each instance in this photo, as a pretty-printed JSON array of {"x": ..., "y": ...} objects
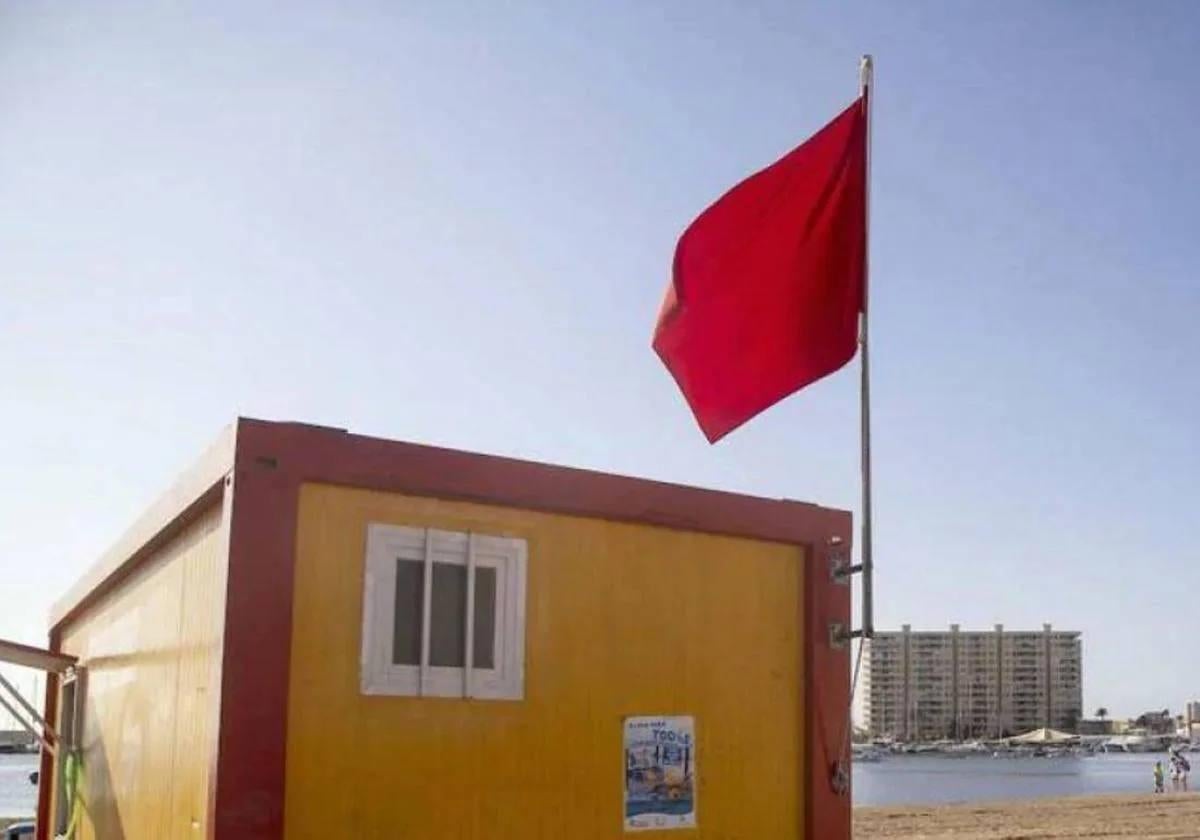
[{"x": 443, "y": 614}]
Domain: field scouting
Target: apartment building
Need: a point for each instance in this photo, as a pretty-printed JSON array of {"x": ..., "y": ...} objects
[{"x": 976, "y": 684}]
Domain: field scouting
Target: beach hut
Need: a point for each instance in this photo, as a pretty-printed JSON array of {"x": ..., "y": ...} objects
[{"x": 320, "y": 634}]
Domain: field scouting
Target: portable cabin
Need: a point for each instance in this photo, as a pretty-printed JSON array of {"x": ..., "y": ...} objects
[{"x": 317, "y": 634}]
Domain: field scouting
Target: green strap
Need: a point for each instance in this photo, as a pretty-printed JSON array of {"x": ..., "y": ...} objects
[{"x": 72, "y": 776}]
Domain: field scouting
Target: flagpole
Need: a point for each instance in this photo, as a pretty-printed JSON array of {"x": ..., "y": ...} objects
[{"x": 866, "y": 73}]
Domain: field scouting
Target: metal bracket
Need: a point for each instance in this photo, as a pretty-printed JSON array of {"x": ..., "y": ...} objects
[
  {"x": 840, "y": 570},
  {"x": 839, "y": 778},
  {"x": 840, "y": 635}
]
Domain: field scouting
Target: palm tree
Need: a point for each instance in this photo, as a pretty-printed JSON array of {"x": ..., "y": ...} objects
[{"x": 1102, "y": 713}]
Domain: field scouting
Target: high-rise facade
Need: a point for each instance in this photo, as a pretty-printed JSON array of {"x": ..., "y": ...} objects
[
  {"x": 1191, "y": 716},
  {"x": 987, "y": 684}
]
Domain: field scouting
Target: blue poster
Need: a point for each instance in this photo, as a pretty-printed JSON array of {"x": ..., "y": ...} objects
[{"x": 660, "y": 773}]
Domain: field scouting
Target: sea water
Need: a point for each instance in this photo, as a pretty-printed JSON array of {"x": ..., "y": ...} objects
[
  {"x": 935, "y": 779},
  {"x": 18, "y": 798}
]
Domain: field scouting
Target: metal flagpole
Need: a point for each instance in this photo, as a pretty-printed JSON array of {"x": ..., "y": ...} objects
[
  {"x": 866, "y": 72},
  {"x": 840, "y": 635}
]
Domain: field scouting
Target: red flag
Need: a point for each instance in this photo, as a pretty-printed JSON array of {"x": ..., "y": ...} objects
[{"x": 768, "y": 282}]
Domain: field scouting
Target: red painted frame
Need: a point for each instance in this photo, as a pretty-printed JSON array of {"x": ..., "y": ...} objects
[
  {"x": 827, "y": 693},
  {"x": 45, "y": 760},
  {"x": 271, "y": 462}
]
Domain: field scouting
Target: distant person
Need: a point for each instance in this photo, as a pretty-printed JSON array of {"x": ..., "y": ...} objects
[
  {"x": 1158, "y": 777},
  {"x": 1182, "y": 768}
]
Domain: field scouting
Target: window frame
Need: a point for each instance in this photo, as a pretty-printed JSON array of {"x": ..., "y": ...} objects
[{"x": 389, "y": 544}]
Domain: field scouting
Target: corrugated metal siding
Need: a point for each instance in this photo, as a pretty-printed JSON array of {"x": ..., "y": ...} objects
[
  {"x": 151, "y": 652},
  {"x": 622, "y": 619}
]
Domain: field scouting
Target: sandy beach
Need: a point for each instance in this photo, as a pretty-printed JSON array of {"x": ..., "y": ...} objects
[{"x": 1143, "y": 816}]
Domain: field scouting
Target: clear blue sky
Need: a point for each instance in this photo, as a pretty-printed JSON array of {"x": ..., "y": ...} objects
[{"x": 453, "y": 224}]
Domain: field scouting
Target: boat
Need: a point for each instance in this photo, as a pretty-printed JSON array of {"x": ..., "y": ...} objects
[
  {"x": 921, "y": 749},
  {"x": 966, "y": 748},
  {"x": 866, "y": 753},
  {"x": 1137, "y": 743}
]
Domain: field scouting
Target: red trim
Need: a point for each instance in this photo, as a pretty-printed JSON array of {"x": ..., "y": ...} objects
[
  {"x": 318, "y": 454},
  {"x": 827, "y": 695},
  {"x": 45, "y": 760},
  {"x": 247, "y": 802}
]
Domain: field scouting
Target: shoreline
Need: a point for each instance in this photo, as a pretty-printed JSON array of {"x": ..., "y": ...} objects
[{"x": 1150, "y": 816}]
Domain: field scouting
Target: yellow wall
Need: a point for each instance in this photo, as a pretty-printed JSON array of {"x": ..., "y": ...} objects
[
  {"x": 622, "y": 619},
  {"x": 151, "y": 651}
]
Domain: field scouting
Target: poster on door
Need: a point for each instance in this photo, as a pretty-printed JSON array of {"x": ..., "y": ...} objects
[{"x": 660, "y": 773}]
